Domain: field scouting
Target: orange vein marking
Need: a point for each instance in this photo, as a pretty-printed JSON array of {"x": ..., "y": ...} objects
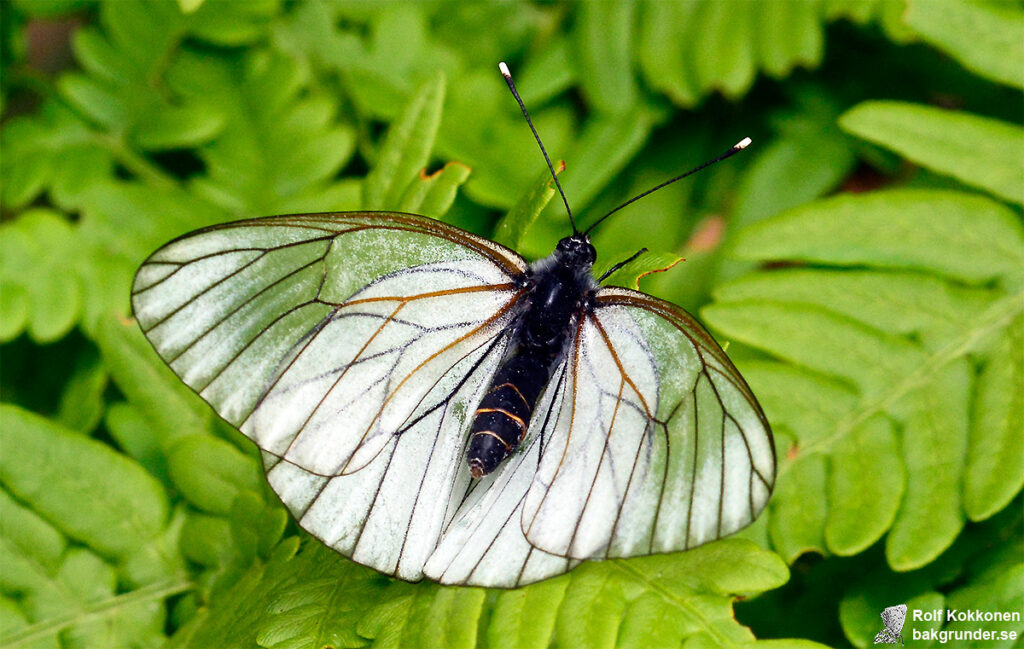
[
  {"x": 501, "y": 312},
  {"x": 522, "y": 424},
  {"x": 636, "y": 283},
  {"x": 420, "y": 296},
  {"x": 507, "y": 446},
  {"x": 622, "y": 370},
  {"x": 496, "y": 388},
  {"x": 338, "y": 380}
]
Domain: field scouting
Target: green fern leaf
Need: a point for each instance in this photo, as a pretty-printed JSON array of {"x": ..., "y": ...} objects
[
  {"x": 414, "y": 616},
  {"x": 134, "y": 507},
  {"x": 979, "y": 151},
  {"x": 312, "y": 599},
  {"x": 210, "y": 473},
  {"x": 985, "y": 38},
  {"x": 603, "y": 32},
  {"x": 318, "y": 597},
  {"x": 282, "y": 146},
  {"x": 170, "y": 409},
  {"x": 912, "y": 294},
  {"x": 980, "y": 571},
  {"x": 137, "y": 437},
  {"x": 74, "y": 592},
  {"x": 81, "y": 403},
  {"x": 689, "y": 50},
  {"x": 407, "y": 147},
  {"x": 40, "y": 294},
  {"x": 53, "y": 150},
  {"x": 514, "y": 225}
]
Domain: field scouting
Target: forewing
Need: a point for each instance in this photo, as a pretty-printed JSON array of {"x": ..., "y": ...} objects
[
  {"x": 338, "y": 343},
  {"x": 317, "y": 334},
  {"x": 659, "y": 445},
  {"x": 894, "y": 617}
]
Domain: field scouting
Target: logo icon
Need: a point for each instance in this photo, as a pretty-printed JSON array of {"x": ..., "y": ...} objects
[{"x": 893, "y": 617}]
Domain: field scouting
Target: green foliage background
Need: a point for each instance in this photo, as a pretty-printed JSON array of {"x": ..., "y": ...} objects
[{"x": 864, "y": 259}]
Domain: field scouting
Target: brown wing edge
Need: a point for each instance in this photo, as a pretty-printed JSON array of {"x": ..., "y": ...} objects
[{"x": 337, "y": 223}]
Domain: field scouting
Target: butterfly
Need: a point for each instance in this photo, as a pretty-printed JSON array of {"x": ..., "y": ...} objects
[
  {"x": 893, "y": 617},
  {"x": 427, "y": 403}
]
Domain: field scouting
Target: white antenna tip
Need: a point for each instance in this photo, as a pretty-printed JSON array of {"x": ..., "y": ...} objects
[
  {"x": 742, "y": 144},
  {"x": 504, "y": 70}
]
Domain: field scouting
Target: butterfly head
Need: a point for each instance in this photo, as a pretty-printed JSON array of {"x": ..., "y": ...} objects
[{"x": 576, "y": 251}]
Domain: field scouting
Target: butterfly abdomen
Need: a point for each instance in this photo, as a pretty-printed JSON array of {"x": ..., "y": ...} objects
[
  {"x": 501, "y": 420},
  {"x": 503, "y": 416}
]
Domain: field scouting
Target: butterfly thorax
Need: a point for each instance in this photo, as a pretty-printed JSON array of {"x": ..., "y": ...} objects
[{"x": 560, "y": 288}]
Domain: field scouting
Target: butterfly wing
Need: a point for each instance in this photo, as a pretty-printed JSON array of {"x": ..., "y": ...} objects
[
  {"x": 884, "y": 637},
  {"x": 484, "y": 544},
  {"x": 389, "y": 514},
  {"x": 659, "y": 445},
  {"x": 646, "y": 440},
  {"x": 347, "y": 346},
  {"x": 894, "y": 617}
]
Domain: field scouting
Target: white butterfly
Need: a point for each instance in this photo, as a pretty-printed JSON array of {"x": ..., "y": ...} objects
[
  {"x": 429, "y": 404},
  {"x": 893, "y": 617}
]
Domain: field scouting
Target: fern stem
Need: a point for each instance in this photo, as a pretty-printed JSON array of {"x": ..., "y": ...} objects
[
  {"x": 709, "y": 628},
  {"x": 995, "y": 317},
  {"x": 31, "y": 635}
]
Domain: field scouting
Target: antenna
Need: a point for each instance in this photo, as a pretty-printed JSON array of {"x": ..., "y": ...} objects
[
  {"x": 512, "y": 86},
  {"x": 739, "y": 146},
  {"x": 608, "y": 273}
]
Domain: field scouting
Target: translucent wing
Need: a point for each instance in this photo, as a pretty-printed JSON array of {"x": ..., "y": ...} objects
[
  {"x": 484, "y": 544},
  {"x": 349, "y": 347},
  {"x": 894, "y": 617},
  {"x": 658, "y": 446},
  {"x": 646, "y": 440},
  {"x": 390, "y": 514}
]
